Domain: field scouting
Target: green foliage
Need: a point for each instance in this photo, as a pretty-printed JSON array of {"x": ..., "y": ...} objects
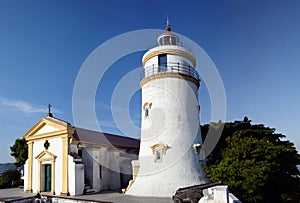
[
  {"x": 10, "y": 178},
  {"x": 256, "y": 164},
  {"x": 20, "y": 151}
]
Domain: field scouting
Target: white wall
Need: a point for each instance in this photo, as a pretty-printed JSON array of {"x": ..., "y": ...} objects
[
  {"x": 76, "y": 177},
  {"x": 218, "y": 194},
  {"x": 88, "y": 166},
  {"x": 104, "y": 162},
  {"x": 110, "y": 162},
  {"x": 46, "y": 129},
  {"x": 55, "y": 148},
  {"x": 114, "y": 172},
  {"x": 96, "y": 171},
  {"x": 173, "y": 121}
]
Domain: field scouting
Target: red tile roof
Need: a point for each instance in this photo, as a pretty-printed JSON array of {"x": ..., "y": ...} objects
[{"x": 118, "y": 141}]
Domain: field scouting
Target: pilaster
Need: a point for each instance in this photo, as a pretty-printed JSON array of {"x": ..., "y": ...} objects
[
  {"x": 39, "y": 176},
  {"x": 65, "y": 186},
  {"x": 53, "y": 177},
  {"x": 29, "y": 169}
]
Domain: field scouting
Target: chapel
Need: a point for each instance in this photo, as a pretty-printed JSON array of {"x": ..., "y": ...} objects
[{"x": 68, "y": 160}]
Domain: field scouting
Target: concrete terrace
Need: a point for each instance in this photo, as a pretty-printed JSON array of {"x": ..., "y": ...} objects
[
  {"x": 109, "y": 196},
  {"x": 13, "y": 193}
]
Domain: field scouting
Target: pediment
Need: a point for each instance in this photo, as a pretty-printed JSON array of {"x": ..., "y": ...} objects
[
  {"x": 45, "y": 156},
  {"x": 46, "y": 126},
  {"x": 46, "y": 129}
]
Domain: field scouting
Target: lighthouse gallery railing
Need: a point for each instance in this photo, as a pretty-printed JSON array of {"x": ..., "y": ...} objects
[{"x": 171, "y": 68}]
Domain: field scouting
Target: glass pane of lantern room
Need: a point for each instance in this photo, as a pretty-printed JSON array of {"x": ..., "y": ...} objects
[
  {"x": 167, "y": 40},
  {"x": 172, "y": 40}
]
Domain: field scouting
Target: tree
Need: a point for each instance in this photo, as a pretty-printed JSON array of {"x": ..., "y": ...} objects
[
  {"x": 20, "y": 151},
  {"x": 10, "y": 178},
  {"x": 256, "y": 163}
]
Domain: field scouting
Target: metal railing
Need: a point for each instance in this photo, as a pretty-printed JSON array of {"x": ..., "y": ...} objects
[
  {"x": 181, "y": 44},
  {"x": 171, "y": 68}
]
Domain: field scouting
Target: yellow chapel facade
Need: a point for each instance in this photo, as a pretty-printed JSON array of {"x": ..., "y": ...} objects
[{"x": 67, "y": 160}]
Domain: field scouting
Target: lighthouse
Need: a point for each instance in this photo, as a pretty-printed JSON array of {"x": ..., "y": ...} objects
[{"x": 170, "y": 125}]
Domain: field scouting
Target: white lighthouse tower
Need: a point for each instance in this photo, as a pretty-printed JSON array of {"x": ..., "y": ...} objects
[{"x": 170, "y": 127}]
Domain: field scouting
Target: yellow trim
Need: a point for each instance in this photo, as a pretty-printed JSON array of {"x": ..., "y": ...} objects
[
  {"x": 92, "y": 145},
  {"x": 147, "y": 104},
  {"x": 39, "y": 177},
  {"x": 72, "y": 141},
  {"x": 43, "y": 153},
  {"x": 29, "y": 162},
  {"x": 128, "y": 187},
  {"x": 65, "y": 182},
  {"x": 89, "y": 145},
  {"x": 113, "y": 149},
  {"x": 53, "y": 177},
  {"x": 170, "y": 51},
  {"x": 135, "y": 171},
  {"x": 93, "y": 148},
  {"x": 164, "y": 147},
  {"x": 169, "y": 75},
  {"x": 53, "y": 122},
  {"x": 49, "y": 135},
  {"x": 41, "y": 158}
]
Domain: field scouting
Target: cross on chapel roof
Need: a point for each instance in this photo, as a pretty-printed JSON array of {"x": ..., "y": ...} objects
[{"x": 49, "y": 110}]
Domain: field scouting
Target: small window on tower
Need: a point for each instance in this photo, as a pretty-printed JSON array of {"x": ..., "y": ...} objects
[
  {"x": 159, "y": 151},
  {"x": 158, "y": 155},
  {"x": 146, "y": 108},
  {"x": 146, "y": 112}
]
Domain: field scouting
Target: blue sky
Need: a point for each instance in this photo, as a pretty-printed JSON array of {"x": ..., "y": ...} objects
[{"x": 254, "y": 44}]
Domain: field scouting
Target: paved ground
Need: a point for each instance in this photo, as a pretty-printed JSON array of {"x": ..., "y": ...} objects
[
  {"x": 15, "y": 193},
  {"x": 121, "y": 198}
]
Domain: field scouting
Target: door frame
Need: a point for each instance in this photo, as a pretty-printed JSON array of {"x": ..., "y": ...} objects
[{"x": 46, "y": 158}]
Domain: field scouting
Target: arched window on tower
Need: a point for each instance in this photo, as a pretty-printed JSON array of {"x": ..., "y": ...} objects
[
  {"x": 159, "y": 151},
  {"x": 146, "y": 112},
  {"x": 158, "y": 155},
  {"x": 146, "y": 108}
]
